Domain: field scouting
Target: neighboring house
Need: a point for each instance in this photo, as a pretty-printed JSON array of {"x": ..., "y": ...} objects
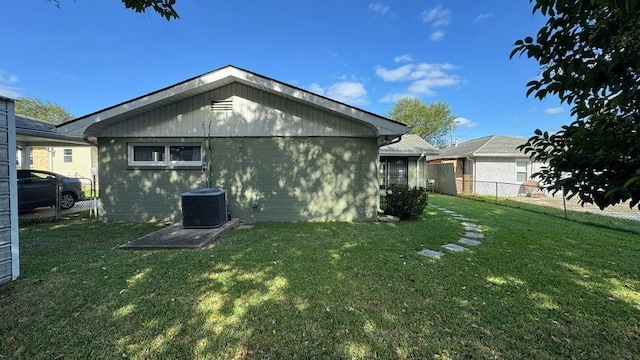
[
  {"x": 57, "y": 153},
  {"x": 403, "y": 162},
  {"x": 280, "y": 152},
  {"x": 72, "y": 161},
  {"x": 482, "y": 164},
  {"x": 9, "y": 244}
]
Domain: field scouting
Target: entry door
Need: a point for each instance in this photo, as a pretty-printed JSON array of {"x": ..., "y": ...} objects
[{"x": 397, "y": 171}]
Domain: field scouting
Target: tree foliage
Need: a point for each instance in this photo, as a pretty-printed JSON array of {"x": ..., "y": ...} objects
[
  {"x": 433, "y": 122},
  {"x": 42, "y": 110},
  {"x": 163, "y": 7},
  {"x": 589, "y": 52}
]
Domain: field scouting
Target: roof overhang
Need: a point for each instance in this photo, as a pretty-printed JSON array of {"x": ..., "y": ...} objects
[
  {"x": 34, "y": 132},
  {"x": 92, "y": 125}
]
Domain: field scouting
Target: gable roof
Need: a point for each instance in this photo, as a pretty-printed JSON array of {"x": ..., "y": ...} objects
[
  {"x": 409, "y": 145},
  {"x": 489, "y": 146},
  {"x": 92, "y": 124}
]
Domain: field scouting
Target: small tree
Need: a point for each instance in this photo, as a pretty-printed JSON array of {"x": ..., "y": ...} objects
[
  {"x": 589, "y": 51},
  {"x": 433, "y": 122}
]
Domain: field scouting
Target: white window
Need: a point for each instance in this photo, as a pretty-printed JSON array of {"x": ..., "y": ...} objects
[
  {"x": 68, "y": 155},
  {"x": 165, "y": 154},
  {"x": 521, "y": 171}
]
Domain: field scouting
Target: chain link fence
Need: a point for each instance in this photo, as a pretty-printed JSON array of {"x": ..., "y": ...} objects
[
  {"x": 529, "y": 196},
  {"x": 47, "y": 198}
]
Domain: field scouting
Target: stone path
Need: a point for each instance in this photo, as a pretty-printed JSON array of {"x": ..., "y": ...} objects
[{"x": 471, "y": 237}]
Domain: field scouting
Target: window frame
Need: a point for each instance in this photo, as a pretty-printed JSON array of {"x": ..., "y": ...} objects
[
  {"x": 166, "y": 162},
  {"x": 67, "y": 155},
  {"x": 526, "y": 170}
]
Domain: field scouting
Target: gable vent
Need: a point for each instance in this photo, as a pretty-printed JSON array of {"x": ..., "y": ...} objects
[{"x": 222, "y": 105}]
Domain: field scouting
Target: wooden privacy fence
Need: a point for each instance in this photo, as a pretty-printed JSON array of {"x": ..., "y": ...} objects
[{"x": 444, "y": 176}]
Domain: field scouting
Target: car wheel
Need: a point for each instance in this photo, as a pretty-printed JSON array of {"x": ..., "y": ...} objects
[{"x": 67, "y": 200}]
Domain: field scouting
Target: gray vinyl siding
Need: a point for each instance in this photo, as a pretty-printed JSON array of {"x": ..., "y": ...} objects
[
  {"x": 287, "y": 178},
  {"x": 8, "y": 209},
  {"x": 255, "y": 113}
]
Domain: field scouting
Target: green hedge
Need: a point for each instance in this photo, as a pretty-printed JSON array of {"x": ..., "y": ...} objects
[{"x": 404, "y": 202}]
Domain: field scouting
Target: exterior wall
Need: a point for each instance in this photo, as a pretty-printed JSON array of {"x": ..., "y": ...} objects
[
  {"x": 252, "y": 113},
  {"x": 41, "y": 159},
  {"x": 9, "y": 249},
  {"x": 418, "y": 180},
  {"x": 502, "y": 171},
  {"x": 268, "y": 179}
]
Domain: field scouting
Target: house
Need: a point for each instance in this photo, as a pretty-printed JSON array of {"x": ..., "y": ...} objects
[
  {"x": 9, "y": 244},
  {"x": 72, "y": 161},
  {"x": 403, "y": 162},
  {"x": 485, "y": 164},
  {"x": 281, "y": 153}
]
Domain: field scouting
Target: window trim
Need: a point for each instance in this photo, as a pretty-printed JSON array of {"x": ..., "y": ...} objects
[
  {"x": 167, "y": 155},
  {"x": 67, "y": 157},
  {"x": 526, "y": 170}
]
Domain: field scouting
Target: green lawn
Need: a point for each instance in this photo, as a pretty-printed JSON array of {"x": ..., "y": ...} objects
[{"x": 538, "y": 287}]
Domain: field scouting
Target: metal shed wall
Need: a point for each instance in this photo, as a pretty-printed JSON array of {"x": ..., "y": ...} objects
[{"x": 9, "y": 252}]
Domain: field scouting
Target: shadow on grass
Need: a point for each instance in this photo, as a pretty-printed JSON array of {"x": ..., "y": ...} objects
[{"x": 326, "y": 291}]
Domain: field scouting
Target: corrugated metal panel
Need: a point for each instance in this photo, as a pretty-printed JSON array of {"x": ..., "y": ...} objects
[
  {"x": 8, "y": 230},
  {"x": 254, "y": 113}
]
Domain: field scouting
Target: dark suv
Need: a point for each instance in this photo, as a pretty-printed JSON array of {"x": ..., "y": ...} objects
[{"x": 37, "y": 188}]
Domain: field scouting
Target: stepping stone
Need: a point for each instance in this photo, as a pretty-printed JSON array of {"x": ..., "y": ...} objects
[
  {"x": 472, "y": 229},
  {"x": 469, "y": 242},
  {"x": 462, "y": 218},
  {"x": 464, "y": 223},
  {"x": 449, "y": 211},
  {"x": 431, "y": 253},
  {"x": 474, "y": 235},
  {"x": 454, "y": 247}
]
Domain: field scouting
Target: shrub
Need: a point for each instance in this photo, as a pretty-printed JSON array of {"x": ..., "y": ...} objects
[{"x": 405, "y": 202}]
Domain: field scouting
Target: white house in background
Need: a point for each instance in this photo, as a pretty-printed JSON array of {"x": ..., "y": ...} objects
[{"x": 484, "y": 164}]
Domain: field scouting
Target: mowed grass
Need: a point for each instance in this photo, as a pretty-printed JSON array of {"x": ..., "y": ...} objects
[{"x": 538, "y": 287}]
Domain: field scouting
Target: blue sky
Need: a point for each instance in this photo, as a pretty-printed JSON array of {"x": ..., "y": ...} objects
[{"x": 88, "y": 55}]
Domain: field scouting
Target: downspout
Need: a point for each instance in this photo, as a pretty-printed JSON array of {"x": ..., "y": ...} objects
[{"x": 473, "y": 173}]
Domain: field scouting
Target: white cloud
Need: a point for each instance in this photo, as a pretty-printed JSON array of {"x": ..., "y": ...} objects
[
  {"x": 554, "y": 110},
  {"x": 423, "y": 79},
  {"x": 6, "y": 80},
  {"x": 483, "y": 17},
  {"x": 348, "y": 92},
  {"x": 436, "y": 35},
  {"x": 400, "y": 74},
  {"x": 462, "y": 122},
  {"x": 437, "y": 16},
  {"x": 316, "y": 88},
  {"x": 403, "y": 58},
  {"x": 379, "y": 8}
]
